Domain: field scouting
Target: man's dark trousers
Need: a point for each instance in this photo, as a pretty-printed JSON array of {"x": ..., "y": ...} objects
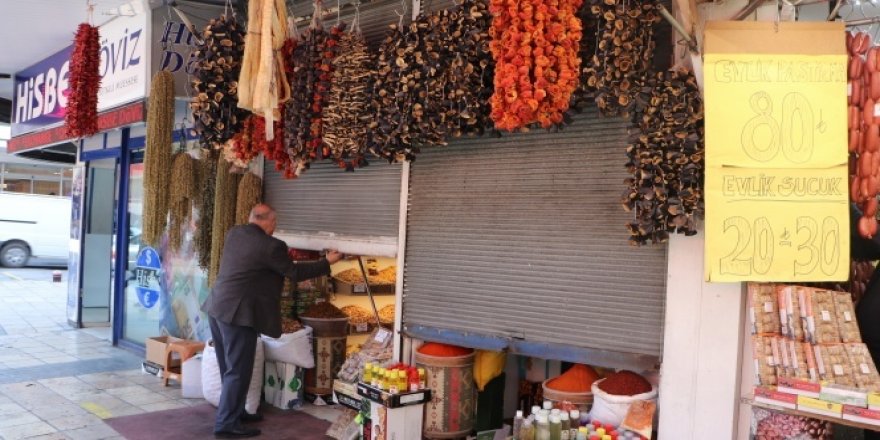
[{"x": 236, "y": 347}]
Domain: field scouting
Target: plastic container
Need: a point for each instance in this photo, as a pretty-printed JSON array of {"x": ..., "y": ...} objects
[
  {"x": 583, "y": 401},
  {"x": 328, "y": 342},
  {"x": 454, "y": 395}
]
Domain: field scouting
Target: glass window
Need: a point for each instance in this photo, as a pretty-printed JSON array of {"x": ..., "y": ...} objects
[
  {"x": 139, "y": 322},
  {"x": 47, "y": 187}
]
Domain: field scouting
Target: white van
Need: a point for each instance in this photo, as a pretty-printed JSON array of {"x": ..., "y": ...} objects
[{"x": 33, "y": 226}]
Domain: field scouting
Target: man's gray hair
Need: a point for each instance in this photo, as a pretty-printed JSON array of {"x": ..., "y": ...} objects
[{"x": 261, "y": 212}]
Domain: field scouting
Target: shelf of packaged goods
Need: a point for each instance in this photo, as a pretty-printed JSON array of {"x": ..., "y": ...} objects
[{"x": 749, "y": 400}]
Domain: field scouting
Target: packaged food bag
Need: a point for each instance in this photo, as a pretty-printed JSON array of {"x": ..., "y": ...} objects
[
  {"x": 763, "y": 308},
  {"x": 790, "y": 319},
  {"x": 846, "y": 317},
  {"x": 765, "y": 362},
  {"x": 820, "y": 318},
  {"x": 864, "y": 371},
  {"x": 834, "y": 364}
]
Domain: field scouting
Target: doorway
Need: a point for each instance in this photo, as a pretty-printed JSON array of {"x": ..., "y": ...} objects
[{"x": 99, "y": 240}]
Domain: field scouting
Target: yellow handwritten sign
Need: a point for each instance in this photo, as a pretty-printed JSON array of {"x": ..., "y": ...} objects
[{"x": 777, "y": 193}]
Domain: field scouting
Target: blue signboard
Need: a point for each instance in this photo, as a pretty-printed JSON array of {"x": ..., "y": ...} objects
[
  {"x": 41, "y": 92},
  {"x": 147, "y": 277}
]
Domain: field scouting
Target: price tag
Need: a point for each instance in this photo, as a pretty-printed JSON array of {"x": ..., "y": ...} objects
[
  {"x": 777, "y": 196},
  {"x": 849, "y": 89},
  {"x": 826, "y": 315},
  {"x": 382, "y": 335},
  {"x": 362, "y": 327},
  {"x": 847, "y": 316},
  {"x": 768, "y": 306},
  {"x": 838, "y": 370},
  {"x": 865, "y": 369},
  {"x": 770, "y": 361},
  {"x": 359, "y": 288}
]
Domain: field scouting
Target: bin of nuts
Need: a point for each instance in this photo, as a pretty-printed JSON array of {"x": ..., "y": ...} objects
[{"x": 360, "y": 320}]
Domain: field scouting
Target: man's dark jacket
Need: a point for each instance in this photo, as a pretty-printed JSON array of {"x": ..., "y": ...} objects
[{"x": 247, "y": 291}]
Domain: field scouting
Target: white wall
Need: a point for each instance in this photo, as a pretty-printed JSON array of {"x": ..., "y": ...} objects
[{"x": 700, "y": 374}]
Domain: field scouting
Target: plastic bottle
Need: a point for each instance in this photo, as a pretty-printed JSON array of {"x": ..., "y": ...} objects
[
  {"x": 585, "y": 418},
  {"x": 423, "y": 379},
  {"x": 413, "y": 379},
  {"x": 555, "y": 428},
  {"x": 548, "y": 405},
  {"x": 542, "y": 432},
  {"x": 565, "y": 421},
  {"x": 394, "y": 382},
  {"x": 606, "y": 437},
  {"x": 535, "y": 409},
  {"x": 368, "y": 372},
  {"x": 581, "y": 435},
  {"x": 527, "y": 432},
  {"x": 600, "y": 431},
  {"x": 517, "y": 424},
  {"x": 402, "y": 383}
]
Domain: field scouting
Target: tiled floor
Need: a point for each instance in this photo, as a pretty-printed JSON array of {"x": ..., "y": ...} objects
[{"x": 57, "y": 383}]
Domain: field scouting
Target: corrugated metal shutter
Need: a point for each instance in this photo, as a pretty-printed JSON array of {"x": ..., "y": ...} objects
[
  {"x": 523, "y": 237},
  {"x": 364, "y": 203}
]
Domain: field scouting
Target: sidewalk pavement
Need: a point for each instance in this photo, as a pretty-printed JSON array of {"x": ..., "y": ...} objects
[{"x": 58, "y": 383}]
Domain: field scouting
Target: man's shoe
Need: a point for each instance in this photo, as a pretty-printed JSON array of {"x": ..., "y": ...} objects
[
  {"x": 249, "y": 418},
  {"x": 237, "y": 433}
]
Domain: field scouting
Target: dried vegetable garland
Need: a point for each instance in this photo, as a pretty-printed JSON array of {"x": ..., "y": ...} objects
[
  {"x": 535, "y": 46},
  {"x": 225, "y": 192},
  {"x": 215, "y": 83},
  {"x": 347, "y": 115},
  {"x": 157, "y": 157},
  {"x": 470, "y": 73},
  {"x": 183, "y": 191},
  {"x": 310, "y": 84},
  {"x": 665, "y": 193},
  {"x": 205, "y": 197},
  {"x": 250, "y": 193},
  {"x": 623, "y": 53},
  {"x": 251, "y": 141},
  {"x": 864, "y": 129},
  {"x": 81, "y": 119}
]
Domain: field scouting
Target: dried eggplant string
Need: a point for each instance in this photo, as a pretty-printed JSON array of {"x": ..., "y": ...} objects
[
  {"x": 157, "y": 157},
  {"x": 346, "y": 116},
  {"x": 215, "y": 104},
  {"x": 666, "y": 158},
  {"x": 181, "y": 198},
  {"x": 225, "y": 192}
]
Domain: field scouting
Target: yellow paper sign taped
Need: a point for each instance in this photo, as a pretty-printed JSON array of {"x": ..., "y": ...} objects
[{"x": 776, "y": 152}]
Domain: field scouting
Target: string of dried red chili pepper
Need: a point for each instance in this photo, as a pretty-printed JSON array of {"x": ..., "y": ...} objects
[
  {"x": 535, "y": 46},
  {"x": 81, "y": 118}
]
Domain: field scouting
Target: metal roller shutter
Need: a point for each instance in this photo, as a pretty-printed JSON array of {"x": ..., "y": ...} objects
[
  {"x": 522, "y": 239},
  {"x": 363, "y": 203}
]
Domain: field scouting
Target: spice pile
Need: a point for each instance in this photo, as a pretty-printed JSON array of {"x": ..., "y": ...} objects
[
  {"x": 666, "y": 158},
  {"x": 625, "y": 383},
  {"x": 535, "y": 47},
  {"x": 215, "y": 104},
  {"x": 443, "y": 350},
  {"x": 324, "y": 310},
  {"x": 386, "y": 314},
  {"x": 578, "y": 379},
  {"x": 357, "y": 315}
]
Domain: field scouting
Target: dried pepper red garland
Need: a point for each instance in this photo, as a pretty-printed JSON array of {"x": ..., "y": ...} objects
[
  {"x": 251, "y": 141},
  {"x": 535, "y": 46},
  {"x": 81, "y": 118},
  {"x": 322, "y": 89}
]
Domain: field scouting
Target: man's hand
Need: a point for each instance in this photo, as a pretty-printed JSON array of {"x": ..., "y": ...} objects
[{"x": 333, "y": 256}]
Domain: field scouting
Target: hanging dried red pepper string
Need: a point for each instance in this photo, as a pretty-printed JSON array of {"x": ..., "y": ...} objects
[
  {"x": 81, "y": 118},
  {"x": 535, "y": 46}
]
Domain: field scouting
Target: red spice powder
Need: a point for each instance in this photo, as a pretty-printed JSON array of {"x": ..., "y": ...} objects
[
  {"x": 443, "y": 350},
  {"x": 625, "y": 383}
]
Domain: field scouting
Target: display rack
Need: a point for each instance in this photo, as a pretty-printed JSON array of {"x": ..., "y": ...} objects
[{"x": 750, "y": 400}]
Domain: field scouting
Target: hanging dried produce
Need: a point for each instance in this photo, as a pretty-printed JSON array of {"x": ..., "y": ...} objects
[
  {"x": 215, "y": 83},
  {"x": 181, "y": 198},
  {"x": 225, "y": 192},
  {"x": 585, "y": 95},
  {"x": 623, "y": 53},
  {"x": 205, "y": 197},
  {"x": 157, "y": 157},
  {"x": 250, "y": 193},
  {"x": 310, "y": 84},
  {"x": 251, "y": 141},
  {"x": 347, "y": 114},
  {"x": 470, "y": 73},
  {"x": 864, "y": 128},
  {"x": 665, "y": 158},
  {"x": 263, "y": 82},
  {"x": 535, "y": 46},
  {"x": 81, "y": 119}
]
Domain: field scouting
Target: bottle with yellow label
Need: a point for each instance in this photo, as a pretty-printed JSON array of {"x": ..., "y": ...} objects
[
  {"x": 380, "y": 381},
  {"x": 423, "y": 379},
  {"x": 368, "y": 372},
  {"x": 394, "y": 381},
  {"x": 402, "y": 383}
]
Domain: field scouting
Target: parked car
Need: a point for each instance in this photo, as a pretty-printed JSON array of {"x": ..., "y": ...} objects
[{"x": 33, "y": 226}]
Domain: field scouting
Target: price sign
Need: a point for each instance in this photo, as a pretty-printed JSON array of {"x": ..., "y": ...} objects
[{"x": 776, "y": 184}]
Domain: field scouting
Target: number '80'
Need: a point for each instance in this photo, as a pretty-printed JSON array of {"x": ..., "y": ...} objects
[{"x": 794, "y": 134}]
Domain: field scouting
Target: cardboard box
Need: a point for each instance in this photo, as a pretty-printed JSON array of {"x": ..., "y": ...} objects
[
  {"x": 156, "y": 350},
  {"x": 403, "y": 423},
  {"x": 393, "y": 400},
  {"x": 346, "y": 394},
  {"x": 799, "y": 387},
  {"x": 816, "y": 406},
  {"x": 861, "y": 415},
  {"x": 772, "y": 396}
]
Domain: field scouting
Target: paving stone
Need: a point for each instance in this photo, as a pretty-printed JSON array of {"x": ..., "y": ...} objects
[{"x": 20, "y": 432}]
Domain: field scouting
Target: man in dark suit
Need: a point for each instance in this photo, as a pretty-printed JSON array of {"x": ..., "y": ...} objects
[{"x": 245, "y": 303}]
